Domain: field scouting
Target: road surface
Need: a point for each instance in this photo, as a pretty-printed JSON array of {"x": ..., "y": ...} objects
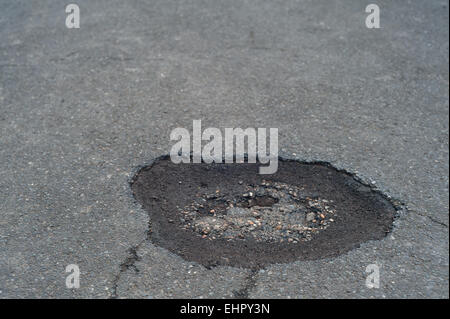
[{"x": 82, "y": 109}]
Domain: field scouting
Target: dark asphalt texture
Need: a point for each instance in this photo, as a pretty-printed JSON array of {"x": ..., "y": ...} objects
[{"x": 82, "y": 109}]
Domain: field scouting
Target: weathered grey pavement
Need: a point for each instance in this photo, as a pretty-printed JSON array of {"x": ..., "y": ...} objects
[{"x": 81, "y": 109}]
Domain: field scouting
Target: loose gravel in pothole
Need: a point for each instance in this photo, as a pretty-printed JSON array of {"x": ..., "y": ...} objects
[
  {"x": 228, "y": 214},
  {"x": 269, "y": 212}
]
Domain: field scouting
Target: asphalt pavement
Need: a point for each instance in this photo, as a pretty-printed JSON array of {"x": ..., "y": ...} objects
[{"x": 82, "y": 109}]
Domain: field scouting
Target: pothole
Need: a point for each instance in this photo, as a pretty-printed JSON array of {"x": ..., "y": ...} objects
[{"x": 228, "y": 214}]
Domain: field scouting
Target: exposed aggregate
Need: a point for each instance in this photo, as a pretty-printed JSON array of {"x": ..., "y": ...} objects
[{"x": 270, "y": 212}]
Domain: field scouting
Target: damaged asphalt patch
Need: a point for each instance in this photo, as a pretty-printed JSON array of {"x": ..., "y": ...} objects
[{"x": 228, "y": 215}]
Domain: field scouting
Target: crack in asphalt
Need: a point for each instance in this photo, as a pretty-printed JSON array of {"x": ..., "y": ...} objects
[
  {"x": 128, "y": 263},
  {"x": 250, "y": 283},
  {"x": 432, "y": 219}
]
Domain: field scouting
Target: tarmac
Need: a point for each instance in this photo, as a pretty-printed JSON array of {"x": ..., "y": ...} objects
[{"x": 83, "y": 109}]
